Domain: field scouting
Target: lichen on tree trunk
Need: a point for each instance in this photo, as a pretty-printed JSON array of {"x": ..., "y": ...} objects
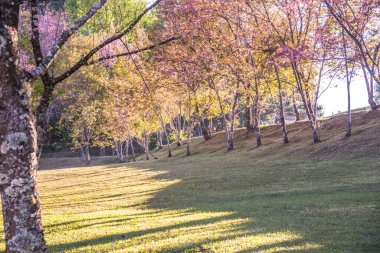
[{"x": 18, "y": 145}]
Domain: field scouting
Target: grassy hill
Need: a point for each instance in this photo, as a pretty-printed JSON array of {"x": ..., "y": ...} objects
[{"x": 300, "y": 197}]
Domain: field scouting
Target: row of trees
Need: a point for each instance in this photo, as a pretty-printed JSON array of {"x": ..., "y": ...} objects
[
  {"x": 106, "y": 76},
  {"x": 252, "y": 57}
]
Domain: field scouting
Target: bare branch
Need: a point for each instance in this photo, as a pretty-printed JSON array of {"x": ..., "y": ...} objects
[
  {"x": 42, "y": 66},
  {"x": 111, "y": 39},
  {"x": 131, "y": 52}
]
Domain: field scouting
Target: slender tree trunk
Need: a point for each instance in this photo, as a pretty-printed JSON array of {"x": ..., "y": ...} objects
[
  {"x": 210, "y": 126},
  {"x": 233, "y": 114},
  {"x": 281, "y": 109},
  {"x": 119, "y": 151},
  {"x": 188, "y": 144},
  {"x": 18, "y": 144},
  {"x": 257, "y": 130},
  {"x": 224, "y": 120},
  {"x": 249, "y": 116},
  {"x": 256, "y": 115},
  {"x": 132, "y": 151},
  {"x": 179, "y": 126},
  {"x": 167, "y": 138},
  {"x": 371, "y": 101},
  {"x": 126, "y": 151},
  {"x": 146, "y": 148},
  {"x": 205, "y": 130},
  {"x": 159, "y": 140},
  {"x": 87, "y": 154},
  {"x": 189, "y": 125},
  {"x": 349, "y": 130},
  {"x": 295, "y": 109},
  {"x": 188, "y": 139},
  {"x": 307, "y": 104},
  {"x": 348, "y": 82}
]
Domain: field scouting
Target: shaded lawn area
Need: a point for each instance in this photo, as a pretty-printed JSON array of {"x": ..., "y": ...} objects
[{"x": 211, "y": 203}]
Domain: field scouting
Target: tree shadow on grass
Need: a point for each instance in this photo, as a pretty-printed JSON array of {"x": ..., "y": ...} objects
[
  {"x": 311, "y": 201},
  {"x": 131, "y": 235},
  {"x": 300, "y": 208}
]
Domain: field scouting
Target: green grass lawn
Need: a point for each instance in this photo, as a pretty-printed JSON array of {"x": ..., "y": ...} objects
[{"x": 248, "y": 200}]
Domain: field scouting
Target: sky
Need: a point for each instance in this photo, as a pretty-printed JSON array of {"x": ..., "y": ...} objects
[{"x": 334, "y": 99}]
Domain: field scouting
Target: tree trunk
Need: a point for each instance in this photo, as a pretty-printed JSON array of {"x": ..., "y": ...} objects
[
  {"x": 102, "y": 151},
  {"x": 178, "y": 136},
  {"x": 83, "y": 154},
  {"x": 205, "y": 131},
  {"x": 132, "y": 151},
  {"x": 256, "y": 116},
  {"x": 179, "y": 126},
  {"x": 348, "y": 82},
  {"x": 18, "y": 145},
  {"x": 258, "y": 134},
  {"x": 307, "y": 103},
  {"x": 281, "y": 109},
  {"x": 159, "y": 140},
  {"x": 87, "y": 154},
  {"x": 126, "y": 150},
  {"x": 295, "y": 109},
  {"x": 188, "y": 139},
  {"x": 225, "y": 126},
  {"x": 146, "y": 148},
  {"x": 371, "y": 101},
  {"x": 210, "y": 126},
  {"x": 249, "y": 116},
  {"x": 119, "y": 151}
]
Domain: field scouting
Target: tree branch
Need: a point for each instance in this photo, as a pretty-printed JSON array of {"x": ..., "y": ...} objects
[
  {"x": 43, "y": 65},
  {"x": 130, "y": 52},
  {"x": 111, "y": 39}
]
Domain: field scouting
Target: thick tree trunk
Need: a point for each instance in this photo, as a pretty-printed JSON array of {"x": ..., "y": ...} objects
[
  {"x": 18, "y": 144},
  {"x": 281, "y": 109}
]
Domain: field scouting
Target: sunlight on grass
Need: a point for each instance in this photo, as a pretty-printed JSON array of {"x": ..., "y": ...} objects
[
  {"x": 104, "y": 209},
  {"x": 223, "y": 206}
]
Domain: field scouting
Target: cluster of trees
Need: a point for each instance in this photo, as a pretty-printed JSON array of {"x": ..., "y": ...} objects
[
  {"x": 235, "y": 62},
  {"x": 115, "y": 73}
]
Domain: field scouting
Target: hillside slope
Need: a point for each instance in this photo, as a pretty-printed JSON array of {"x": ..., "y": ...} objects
[
  {"x": 300, "y": 197},
  {"x": 365, "y": 140}
]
